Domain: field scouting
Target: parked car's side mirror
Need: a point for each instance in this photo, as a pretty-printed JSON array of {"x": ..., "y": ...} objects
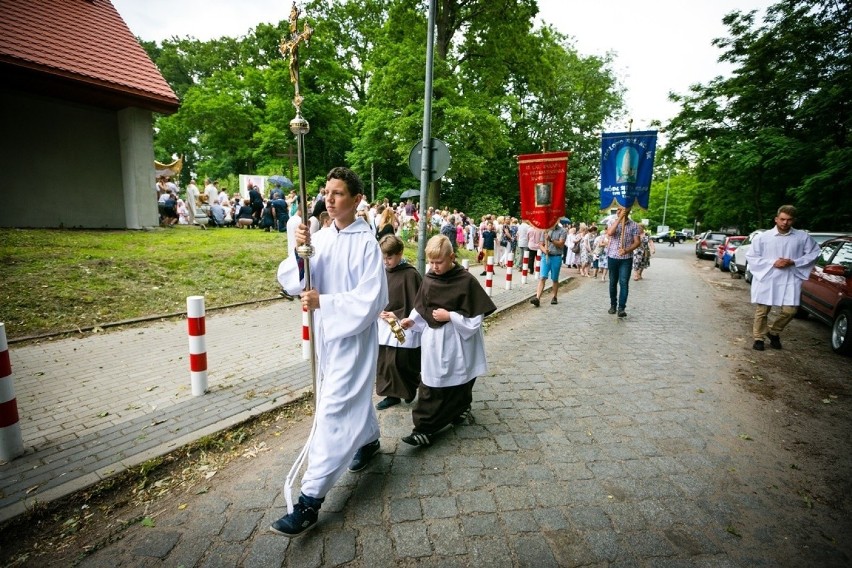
[{"x": 834, "y": 270}]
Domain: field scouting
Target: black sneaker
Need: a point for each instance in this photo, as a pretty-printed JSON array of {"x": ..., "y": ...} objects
[
  {"x": 757, "y": 345},
  {"x": 387, "y": 403},
  {"x": 417, "y": 439},
  {"x": 304, "y": 516},
  {"x": 483, "y": 273},
  {"x": 611, "y": 310},
  {"x": 464, "y": 417},
  {"x": 363, "y": 456},
  {"x": 774, "y": 341},
  {"x": 553, "y": 301},
  {"x": 535, "y": 302},
  {"x": 409, "y": 400},
  {"x": 622, "y": 314},
  {"x": 285, "y": 295}
]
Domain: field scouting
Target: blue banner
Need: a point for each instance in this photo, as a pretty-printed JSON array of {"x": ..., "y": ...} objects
[{"x": 627, "y": 162}]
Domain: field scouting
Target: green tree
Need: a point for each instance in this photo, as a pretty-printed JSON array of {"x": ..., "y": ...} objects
[
  {"x": 501, "y": 88},
  {"x": 778, "y": 130}
]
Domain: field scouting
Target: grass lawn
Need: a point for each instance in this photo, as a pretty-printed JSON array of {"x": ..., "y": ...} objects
[{"x": 61, "y": 280}]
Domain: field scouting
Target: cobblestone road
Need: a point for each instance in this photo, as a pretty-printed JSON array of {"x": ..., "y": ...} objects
[{"x": 596, "y": 442}]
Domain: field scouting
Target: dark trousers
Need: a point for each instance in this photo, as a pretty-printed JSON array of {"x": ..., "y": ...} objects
[
  {"x": 436, "y": 407},
  {"x": 619, "y": 280}
]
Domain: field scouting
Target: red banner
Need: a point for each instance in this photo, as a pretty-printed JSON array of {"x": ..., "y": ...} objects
[{"x": 542, "y": 181}]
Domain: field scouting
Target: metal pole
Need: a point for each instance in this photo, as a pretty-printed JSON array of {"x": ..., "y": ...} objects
[
  {"x": 426, "y": 161},
  {"x": 666, "y": 202},
  {"x": 299, "y": 127}
]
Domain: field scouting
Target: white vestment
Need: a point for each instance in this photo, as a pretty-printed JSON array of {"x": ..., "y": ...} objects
[
  {"x": 292, "y": 225},
  {"x": 454, "y": 353},
  {"x": 780, "y": 286},
  {"x": 347, "y": 271}
]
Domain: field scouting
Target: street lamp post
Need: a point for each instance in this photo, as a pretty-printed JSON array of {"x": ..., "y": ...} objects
[{"x": 666, "y": 202}]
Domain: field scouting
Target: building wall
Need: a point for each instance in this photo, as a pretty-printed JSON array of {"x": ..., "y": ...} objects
[{"x": 74, "y": 166}]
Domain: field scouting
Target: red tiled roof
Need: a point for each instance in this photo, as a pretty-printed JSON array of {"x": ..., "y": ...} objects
[{"x": 82, "y": 45}]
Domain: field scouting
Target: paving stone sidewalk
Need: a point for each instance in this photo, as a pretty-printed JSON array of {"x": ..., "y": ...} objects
[
  {"x": 596, "y": 442},
  {"x": 92, "y": 407}
]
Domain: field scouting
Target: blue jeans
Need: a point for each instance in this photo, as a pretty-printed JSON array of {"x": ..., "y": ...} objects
[{"x": 619, "y": 277}]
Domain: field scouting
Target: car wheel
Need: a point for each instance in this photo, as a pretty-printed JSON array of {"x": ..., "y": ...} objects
[
  {"x": 735, "y": 273},
  {"x": 841, "y": 341},
  {"x": 747, "y": 275}
]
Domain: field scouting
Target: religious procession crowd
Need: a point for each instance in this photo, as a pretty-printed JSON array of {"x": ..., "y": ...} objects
[{"x": 379, "y": 325}]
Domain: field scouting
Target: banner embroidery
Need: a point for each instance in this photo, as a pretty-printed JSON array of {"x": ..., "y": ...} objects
[
  {"x": 542, "y": 183},
  {"x": 627, "y": 165}
]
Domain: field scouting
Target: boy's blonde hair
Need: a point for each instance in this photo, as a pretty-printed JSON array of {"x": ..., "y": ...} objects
[
  {"x": 439, "y": 246},
  {"x": 391, "y": 245}
]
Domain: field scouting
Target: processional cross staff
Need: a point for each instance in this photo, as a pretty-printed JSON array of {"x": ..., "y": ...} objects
[
  {"x": 299, "y": 127},
  {"x": 290, "y": 48}
]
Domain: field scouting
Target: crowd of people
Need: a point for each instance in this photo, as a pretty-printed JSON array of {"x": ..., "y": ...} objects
[
  {"x": 216, "y": 207},
  {"x": 500, "y": 237}
]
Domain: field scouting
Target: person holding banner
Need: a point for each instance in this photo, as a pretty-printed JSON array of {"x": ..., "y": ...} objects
[
  {"x": 624, "y": 238},
  {"x": 551, "y": 261}
]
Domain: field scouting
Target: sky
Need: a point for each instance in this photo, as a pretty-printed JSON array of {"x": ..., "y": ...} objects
[{"x": 659, "y": 45}]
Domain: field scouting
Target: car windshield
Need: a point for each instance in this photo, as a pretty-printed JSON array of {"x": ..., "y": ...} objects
[
  {"x": 844, "y": 256},
  {"x": 736, "y": 243}
]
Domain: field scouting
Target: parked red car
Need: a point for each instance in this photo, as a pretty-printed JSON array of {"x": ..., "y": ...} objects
[
  {"x": 725, "y": 252},
  {"x": 827, "y": 293}
]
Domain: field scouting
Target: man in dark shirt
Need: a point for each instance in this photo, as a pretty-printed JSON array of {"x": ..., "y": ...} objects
[
  {"x": 487, "y": 243},
  {"x": 448, "y": 229},
  {"x": 280, "y": 210}
]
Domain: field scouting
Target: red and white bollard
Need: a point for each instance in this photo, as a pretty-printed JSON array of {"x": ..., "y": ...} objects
[
  {"x": 526, "y": 262},
  {"x": 466, "y": 264},
  {"x": 537, "y": 274},
  {"x": 489, "y": 275},
  {"x": 306, "y": 335},
  {"x": 509, "y": 264},
  {"x": 11, "y": 443},
  {"x": 197, "y": 344}
]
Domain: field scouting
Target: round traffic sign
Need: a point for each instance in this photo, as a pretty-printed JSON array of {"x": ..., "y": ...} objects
[{"x": 440, "y": 161}]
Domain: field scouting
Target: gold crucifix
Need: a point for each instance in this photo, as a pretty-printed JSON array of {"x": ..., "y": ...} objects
[{"x": 290, "y": 48}]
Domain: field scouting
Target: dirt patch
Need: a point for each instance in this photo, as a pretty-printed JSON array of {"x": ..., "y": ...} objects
[{"x": 805, "y": 388}]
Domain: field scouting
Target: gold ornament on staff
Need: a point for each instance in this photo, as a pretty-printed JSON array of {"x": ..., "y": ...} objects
[{"x": 299, "y": 127}]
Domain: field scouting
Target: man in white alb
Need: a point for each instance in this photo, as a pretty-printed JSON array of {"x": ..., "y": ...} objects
[
  {"x": 349, "y": 292},
  {"x": 779, "y": 260}
]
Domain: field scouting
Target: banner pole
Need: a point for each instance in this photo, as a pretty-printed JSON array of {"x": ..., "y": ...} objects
[{"x": 300, "y": 127}]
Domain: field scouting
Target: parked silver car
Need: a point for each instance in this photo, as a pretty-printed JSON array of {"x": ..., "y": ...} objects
[
  {"x": 706, "y": 244},
  {"x": 739, "y": 264}
]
